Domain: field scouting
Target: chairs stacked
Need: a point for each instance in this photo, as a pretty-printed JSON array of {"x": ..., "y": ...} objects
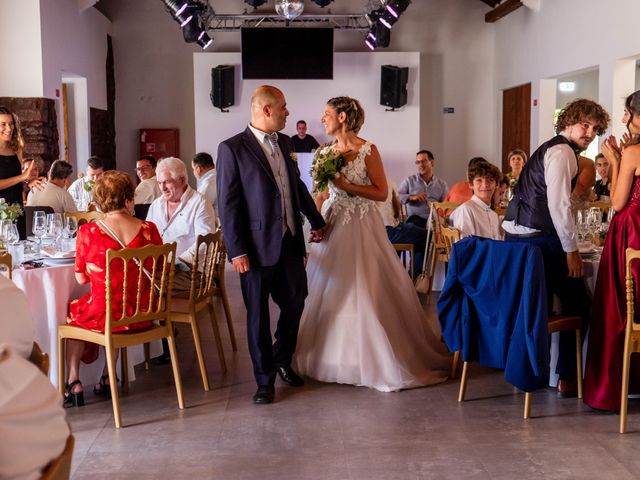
[
  {"x": 204, "y": 272},
  {"x": 151, "y": 305},
  {"x": 84, "y": 217}
]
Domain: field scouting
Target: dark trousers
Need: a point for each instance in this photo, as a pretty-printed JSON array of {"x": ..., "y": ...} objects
[
  {"x": 573, "y": 295},
  {"x": 286, "y": 283},
  {"x": 410, "y": 233},
  {"x": 417, "y": 220}
]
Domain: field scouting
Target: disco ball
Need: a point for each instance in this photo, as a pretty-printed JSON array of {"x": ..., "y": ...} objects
[{"x": 289, "y": 9}]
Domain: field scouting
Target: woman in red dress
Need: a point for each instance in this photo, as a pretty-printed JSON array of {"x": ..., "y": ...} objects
[
  {"x": 113, "y": 193},
  {"x": 603, "y": 373}
]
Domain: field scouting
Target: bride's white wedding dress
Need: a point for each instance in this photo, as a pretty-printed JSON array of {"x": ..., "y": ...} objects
[{"x": 363, "y": 323}]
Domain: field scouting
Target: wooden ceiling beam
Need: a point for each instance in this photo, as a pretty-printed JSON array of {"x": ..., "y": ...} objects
[{"x": 505, "y": 8}]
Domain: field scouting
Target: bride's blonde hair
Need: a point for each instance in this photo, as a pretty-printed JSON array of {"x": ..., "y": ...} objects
[{"x": 352, "y": 109}]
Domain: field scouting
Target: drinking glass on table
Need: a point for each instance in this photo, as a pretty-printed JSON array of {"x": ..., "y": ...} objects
[
  {"x": 54, "y": 225},
  {"x": 610, "y": 214},
  {"x": 11, "y": 235},
  {"x": 70, "y": 227},
  {"x": 39, "y": 225}
]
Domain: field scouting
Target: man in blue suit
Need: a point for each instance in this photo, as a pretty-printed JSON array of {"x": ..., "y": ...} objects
[{"x": 260, "y": 199}]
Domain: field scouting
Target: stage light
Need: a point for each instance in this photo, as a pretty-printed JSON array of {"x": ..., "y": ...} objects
[
  {"x": 379, "y": 35},
  {"x": 289, "y": 9},
  {"x": 322, "y": 3},
  {"x": 397, "y": 7},
  {"x": 179, "y": 11},
  {"x": 255, "y": 3},
  {"x": 204, "y": 40}
]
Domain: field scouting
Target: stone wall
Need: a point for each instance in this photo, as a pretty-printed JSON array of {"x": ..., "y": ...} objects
[{"x": 39, "y": 124}]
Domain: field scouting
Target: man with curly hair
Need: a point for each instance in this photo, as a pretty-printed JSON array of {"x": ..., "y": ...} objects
[{"x": 540, "y": 213}]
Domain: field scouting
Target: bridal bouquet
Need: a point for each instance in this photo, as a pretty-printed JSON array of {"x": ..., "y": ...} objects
[
  {"x": 9, "y": 212},
  {"x": 326, "y": 165}
]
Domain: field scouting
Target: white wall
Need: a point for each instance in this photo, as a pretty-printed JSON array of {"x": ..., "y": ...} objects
[
  {"x": 21, "y": 53},
  {"x": 562, "y": 38},
  {"x": 396, "y": 134}
]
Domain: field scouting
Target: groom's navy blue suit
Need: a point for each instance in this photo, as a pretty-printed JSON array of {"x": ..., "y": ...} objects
[{"x": 252, "y": 224}]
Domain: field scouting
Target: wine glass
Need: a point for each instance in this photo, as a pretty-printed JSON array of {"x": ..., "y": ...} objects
[
  {"x": 11, "y": 234},
  {"x": 70, "y": 227},
  {"x": 39, "y": 225}
]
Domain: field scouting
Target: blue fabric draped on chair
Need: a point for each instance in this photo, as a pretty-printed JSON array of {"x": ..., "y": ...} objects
[{"x": 493, "y": 308}]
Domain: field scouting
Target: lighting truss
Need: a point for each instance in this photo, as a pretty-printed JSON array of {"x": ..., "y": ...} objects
[{"x": 229, "y": 23}]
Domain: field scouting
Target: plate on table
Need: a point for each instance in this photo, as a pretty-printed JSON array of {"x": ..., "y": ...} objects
[
  {"x": 52, "y": 252},
  {"x": 587, "y": 248},
  {"x": 52, "y": 261}
]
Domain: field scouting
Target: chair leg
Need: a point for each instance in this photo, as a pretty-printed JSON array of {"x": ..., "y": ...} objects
[
  {"x": 124, "y": 364},
  {"x": 216, "y": 334},
  {"x": 227, "y": 313},
  {"x": 174, "y": 365},
  {"x": 115, "y": 400},
  {"x": 147, "y": 356},
  {"x": 528, "y": 397},
  {"x": 61, "y": 359},
  {"x": 463, "y": 382},
  {"x": 579, "y": 360},
  {"x": 198, "y": 343},
  {"x": 454, "y": 364},
  {"x": 624, "y": 395}
]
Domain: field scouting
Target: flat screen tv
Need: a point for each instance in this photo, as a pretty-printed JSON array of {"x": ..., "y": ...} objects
[{"x": 287, "y": 53}]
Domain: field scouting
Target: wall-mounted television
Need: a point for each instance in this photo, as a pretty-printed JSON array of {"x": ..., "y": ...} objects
[{"x": 287, "y": 53}]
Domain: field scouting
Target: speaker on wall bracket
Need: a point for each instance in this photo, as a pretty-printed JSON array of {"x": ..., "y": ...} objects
[
  {"x": 393, "y": 86},
  {"x": 222, "y": 86}
]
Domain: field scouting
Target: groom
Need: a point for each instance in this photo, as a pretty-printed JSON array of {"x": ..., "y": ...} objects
[{"x": 260, "y": 198}]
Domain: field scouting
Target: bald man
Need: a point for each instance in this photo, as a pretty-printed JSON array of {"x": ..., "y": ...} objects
[{"x": 260, "y": 199}]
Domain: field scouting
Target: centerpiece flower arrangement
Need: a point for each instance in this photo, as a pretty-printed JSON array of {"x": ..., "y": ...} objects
[
  {"x": 326, "y": 165},
  {"x": 9, "y": 211}
]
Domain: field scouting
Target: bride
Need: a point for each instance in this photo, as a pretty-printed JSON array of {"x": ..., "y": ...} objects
[{"x": 363, "y": 323}]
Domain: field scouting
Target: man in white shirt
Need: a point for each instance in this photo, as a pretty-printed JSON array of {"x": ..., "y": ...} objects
[
  {"x": 55, "y": 194},
  {"x": 205, "y": 173},
  {"x": 475, "y": 217},
  {"x": 540, "y": 214},
  {"x": 82, "y": 189},
  {"x": 181, "y": 214},
  {"x": 148, "y": 189}
]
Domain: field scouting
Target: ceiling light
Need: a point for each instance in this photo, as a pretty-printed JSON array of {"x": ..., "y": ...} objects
[{"x": 204, "y": 40}]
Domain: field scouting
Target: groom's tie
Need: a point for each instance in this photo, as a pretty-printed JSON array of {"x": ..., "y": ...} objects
[{"x": 282, "y": 179}]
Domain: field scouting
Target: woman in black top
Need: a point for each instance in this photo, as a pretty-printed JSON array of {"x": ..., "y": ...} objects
[{"x": 11, "y": 174}]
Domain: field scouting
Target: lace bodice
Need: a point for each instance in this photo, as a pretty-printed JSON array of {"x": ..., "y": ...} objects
[{"x": 340, "y": 202}]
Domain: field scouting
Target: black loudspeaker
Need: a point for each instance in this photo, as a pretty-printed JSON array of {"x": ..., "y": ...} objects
[
  {"x": 222, "y": 86},
  {"x": 393, "y": 86}
]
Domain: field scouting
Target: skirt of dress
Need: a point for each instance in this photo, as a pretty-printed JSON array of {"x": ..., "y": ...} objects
[{"x": 363, "y": 323}]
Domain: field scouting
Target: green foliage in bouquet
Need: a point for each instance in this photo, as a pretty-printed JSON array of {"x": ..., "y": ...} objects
[
  {"x": 10, "y": 212},
  {"x": 326, "y": 165}
]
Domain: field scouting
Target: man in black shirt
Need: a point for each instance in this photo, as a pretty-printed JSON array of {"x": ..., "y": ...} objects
[{"x": 303, "y": 142}]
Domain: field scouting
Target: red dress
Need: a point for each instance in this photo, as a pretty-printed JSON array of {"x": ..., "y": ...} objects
[
  {"x": 603, "y": 373},
  {"x": 89, "y": 311}
]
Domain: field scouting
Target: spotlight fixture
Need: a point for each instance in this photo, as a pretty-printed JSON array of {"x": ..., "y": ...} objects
[
  {"x": 322, "y": 3},
  {"x": 392, "y": 11},
  {"x": 379, "y": 35},
  {"x": 179, "y": 11},
  {"x": 255, "y": 3},
  {"x": 192, "y": 15},
  {"x": 204, "y": 40}
]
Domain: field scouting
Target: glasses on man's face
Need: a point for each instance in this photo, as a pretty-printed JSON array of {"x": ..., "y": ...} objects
[
  {"x": 421, "y": 162},
  {"x": 143, "y": 168}
]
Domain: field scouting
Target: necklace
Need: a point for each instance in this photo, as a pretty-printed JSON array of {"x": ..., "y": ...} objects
[{"x": 118, "y": 212}]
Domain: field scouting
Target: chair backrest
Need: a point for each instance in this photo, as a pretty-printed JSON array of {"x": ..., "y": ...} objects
[
  {"x": 5, "y": 259},
  {"x": 60, "y": 467},
  {"x": 631, "y": 254},
  {"x": 39, "y": 358},
  {"x": 148, "y": 301},
  {"x": 206, "y": 266},
  {"x": 440, "y": 213},
  {"x": 140, "y": 210},
  {"x": 449, "y": 237},
  {"x": 28, "y": 216},
  {"x": 85, "y": 217},
  {"x": 221, "y": 258}
]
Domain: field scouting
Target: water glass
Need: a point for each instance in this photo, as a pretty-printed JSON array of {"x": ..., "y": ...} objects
[
  {"x": 39, "y": 225},
  {"x": 11, "y": 235},
  {"x": 70, "y": 227},
  {"x": 16, "y": 250},
  {"x": 54, "y": 225}
]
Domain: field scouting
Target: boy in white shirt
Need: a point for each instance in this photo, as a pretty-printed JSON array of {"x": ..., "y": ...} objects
[{"x": 475, "y": 217}]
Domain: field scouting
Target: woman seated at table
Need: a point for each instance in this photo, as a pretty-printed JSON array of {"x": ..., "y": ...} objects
[{"x": 113, "y": 192}]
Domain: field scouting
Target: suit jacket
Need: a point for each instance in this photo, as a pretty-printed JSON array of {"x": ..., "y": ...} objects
[
  {"x": 249, "y": 200},
  {"x": 493, "y": 307}
]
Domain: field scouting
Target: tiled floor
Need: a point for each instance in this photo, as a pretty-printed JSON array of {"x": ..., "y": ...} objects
[{"x": 327, "y": 431}]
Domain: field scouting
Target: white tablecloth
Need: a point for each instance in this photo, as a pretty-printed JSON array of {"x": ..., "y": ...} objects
[{"x": 49, "y": 291}]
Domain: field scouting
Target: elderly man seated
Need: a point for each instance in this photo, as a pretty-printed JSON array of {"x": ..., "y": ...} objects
[
  {"x": 55, "y": 194},
  {"x": 181, "y": 214}
]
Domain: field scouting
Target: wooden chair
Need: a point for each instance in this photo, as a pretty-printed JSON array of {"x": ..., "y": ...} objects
[
  {"x": 631, "y": 338},
  {"x": 436, "y": 252},
  {"x": 449, "y": 237},
  {"x": 85, "y": 217},
  {"x": 160, "y": 261},
  {"x": 185, "y": 310},
  {"x": 6, "y": 260},
  {"x": 405, "y": 250},
  {"x": 60, "y": 467},
  {"x": 39, "y": 358},
  {"x": 220, "y": 289}
]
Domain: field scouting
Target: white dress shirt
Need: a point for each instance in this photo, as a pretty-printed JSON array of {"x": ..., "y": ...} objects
[
  {"x": 52, "y": 196},
  {"x": 32, "y": 423},
  {"x": 147, "y": 191},
  {"x": 194, "y": 216},
  {"x": 16, "y": 327},
  {"x": 207, "y": 187},
  {"x": 475, "y": 218},
  {"x": 80, "y": 194},
  {"x": 560, "y": 166}
]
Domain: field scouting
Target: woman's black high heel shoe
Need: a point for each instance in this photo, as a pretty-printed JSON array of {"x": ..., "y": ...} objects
[
  {"x": 103, "y": 388},
  {"x": 73, "y": 399}
]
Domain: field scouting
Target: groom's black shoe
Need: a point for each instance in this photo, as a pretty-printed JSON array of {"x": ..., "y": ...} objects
[
  {"x": 264, "y": 394},
  {"x": 290, "y": 377}
]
